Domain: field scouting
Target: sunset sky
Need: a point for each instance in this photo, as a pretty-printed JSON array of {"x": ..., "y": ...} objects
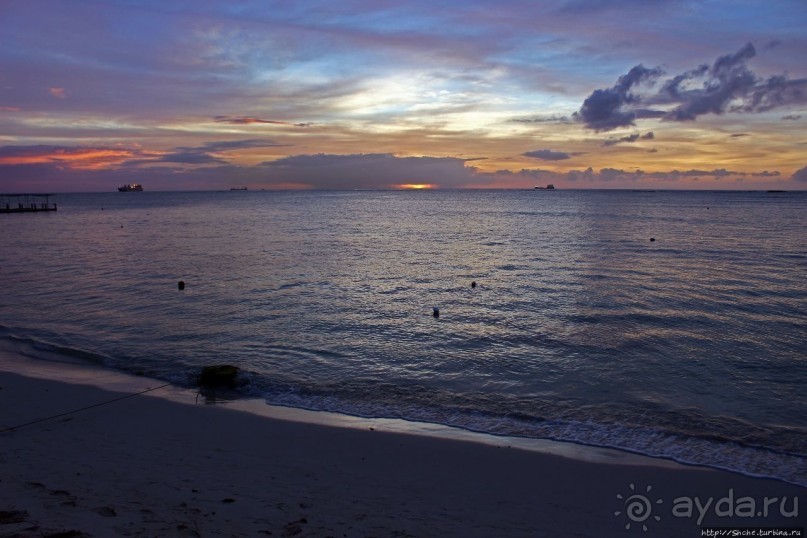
[{"x": 200, "y": 94}]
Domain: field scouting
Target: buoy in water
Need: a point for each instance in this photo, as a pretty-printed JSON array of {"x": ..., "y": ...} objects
[
  {"x": 652, "y": 238},
  {"x": 181, "y": 285},
  {"x": 473, "y": 284},
  {"x": 436, "y": 312}
]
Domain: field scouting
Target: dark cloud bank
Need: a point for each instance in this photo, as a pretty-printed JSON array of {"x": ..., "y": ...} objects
[
  {"x": 206, "y": 167},
  {"x": 728, "y": 85},
  {"x": 549, "y": 155}
]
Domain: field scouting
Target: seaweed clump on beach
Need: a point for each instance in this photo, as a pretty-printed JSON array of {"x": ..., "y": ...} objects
[{"x": 219, "y": 376}]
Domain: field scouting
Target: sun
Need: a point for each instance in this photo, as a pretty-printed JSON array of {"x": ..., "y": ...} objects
[{"x": 415, "y": 186}]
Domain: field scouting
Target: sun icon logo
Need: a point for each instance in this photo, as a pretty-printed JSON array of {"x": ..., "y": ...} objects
[{"x": 638, "y": 507}]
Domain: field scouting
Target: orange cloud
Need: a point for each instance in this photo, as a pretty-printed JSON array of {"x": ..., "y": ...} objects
[
  {"x": 58, "y": 93},
  {"x": 9, "y": 109},
  {"x": 81, "y": 158}
]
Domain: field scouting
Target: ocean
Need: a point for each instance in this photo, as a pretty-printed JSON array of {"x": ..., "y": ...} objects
[{"x": 666, "y": 323}]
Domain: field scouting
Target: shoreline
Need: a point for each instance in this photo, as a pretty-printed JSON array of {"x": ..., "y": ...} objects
[
  {"x": 54, "y": 364},
  {"x": 155, "y": 465},
  {"x": 51, "y": 365}
]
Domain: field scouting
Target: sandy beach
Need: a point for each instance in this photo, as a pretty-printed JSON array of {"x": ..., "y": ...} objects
[{"x": 159, "y": 464}]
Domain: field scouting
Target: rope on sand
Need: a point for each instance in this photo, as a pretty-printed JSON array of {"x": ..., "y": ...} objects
[{"x": 81, "y": 409}]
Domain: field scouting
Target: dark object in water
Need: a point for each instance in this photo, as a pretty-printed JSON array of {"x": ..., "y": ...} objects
[
  {"x": 218, "y": 376},
  {"x": 652, "y": 238},
  {"x": 473, "y": 284},
  {"x": 436, "y": 312},
  {"x": 181, "y": 285},
  {"x": 775, "y": 191},
  {"x": 131, "y": 187}
]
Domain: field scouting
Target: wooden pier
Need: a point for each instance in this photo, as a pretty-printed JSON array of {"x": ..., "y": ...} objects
[{"x": 26, "y": 203}]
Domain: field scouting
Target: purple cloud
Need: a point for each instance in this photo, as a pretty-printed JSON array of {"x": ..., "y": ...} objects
[
  {"x": 613, "y": 107},
  {"x": 728, "y": 79},
  {"x": 629, "y": 139},
  {"x": 368, "y": 171},
  {"x": 728, "y": 85},
  {"x": 549, "y": 155},
  {"x": 247, "y": 120}
]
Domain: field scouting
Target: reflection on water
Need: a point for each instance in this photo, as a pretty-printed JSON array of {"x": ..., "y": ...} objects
[{"x": 580, "y": 326}]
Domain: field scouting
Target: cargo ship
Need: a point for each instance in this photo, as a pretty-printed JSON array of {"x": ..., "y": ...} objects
[{"x": 131, "y": 187}]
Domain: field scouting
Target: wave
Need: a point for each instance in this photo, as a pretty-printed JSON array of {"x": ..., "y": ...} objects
[
  {"x": 693, "y": 438},
  {"x": 707, "y": 443}
]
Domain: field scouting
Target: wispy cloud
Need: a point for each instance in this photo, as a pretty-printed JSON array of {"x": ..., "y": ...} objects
[
  {"x": 552, "y": 118},
  {"x": 629, "y": 139},
  {"x": 246, "y": 120},
  {"x": 550, "y": 155},
  {"x": 83, "y": 158},
  {"x": 109, "y": 157}
]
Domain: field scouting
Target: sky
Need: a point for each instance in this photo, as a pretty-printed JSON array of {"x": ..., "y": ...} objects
[{"x": 381, "y": 94}]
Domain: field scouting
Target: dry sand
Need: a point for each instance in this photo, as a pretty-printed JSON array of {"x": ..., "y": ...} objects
[{"x": 151, "y": 465}]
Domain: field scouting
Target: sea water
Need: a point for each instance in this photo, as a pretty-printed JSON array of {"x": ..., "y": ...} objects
[{"x": 667, "y": 323}]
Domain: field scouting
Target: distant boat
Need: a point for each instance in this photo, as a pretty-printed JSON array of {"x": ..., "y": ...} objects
[
  {"x": 244, "y": 188},
  {"x": 131, "y": 187},
  {"x": 549, "y": 187}
]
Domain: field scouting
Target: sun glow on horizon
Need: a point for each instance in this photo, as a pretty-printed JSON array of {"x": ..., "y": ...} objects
[{"x": 415, "y": 186}]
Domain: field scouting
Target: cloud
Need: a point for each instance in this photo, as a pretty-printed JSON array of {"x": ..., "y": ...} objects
[
  {"x": 229, "y": 145},
  {"x": 210, "y": 153},
  {"x": 616, "y": 177},
  {"x": 728, "y": 79},
  {"x": 58, "y": 93},
  {"x": 80, "y": 157},
  {"x": 246, "y": 120},
  {"x": 109, "y": 157},
  {"x": 319, "y": 171},
  {"x": 728, "y": 85},
  {"x": 629, "y": 139},
  {"x": 60, "y": 169},
  {"x": 543, "y": 119},
  {"x": 549, "y": 155},
  {"x": 676, "y": 174},
  {"x": 609, "y": 108},
  {"x": 369, "y": 171},
  {"x": 792, "y": 117}
]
